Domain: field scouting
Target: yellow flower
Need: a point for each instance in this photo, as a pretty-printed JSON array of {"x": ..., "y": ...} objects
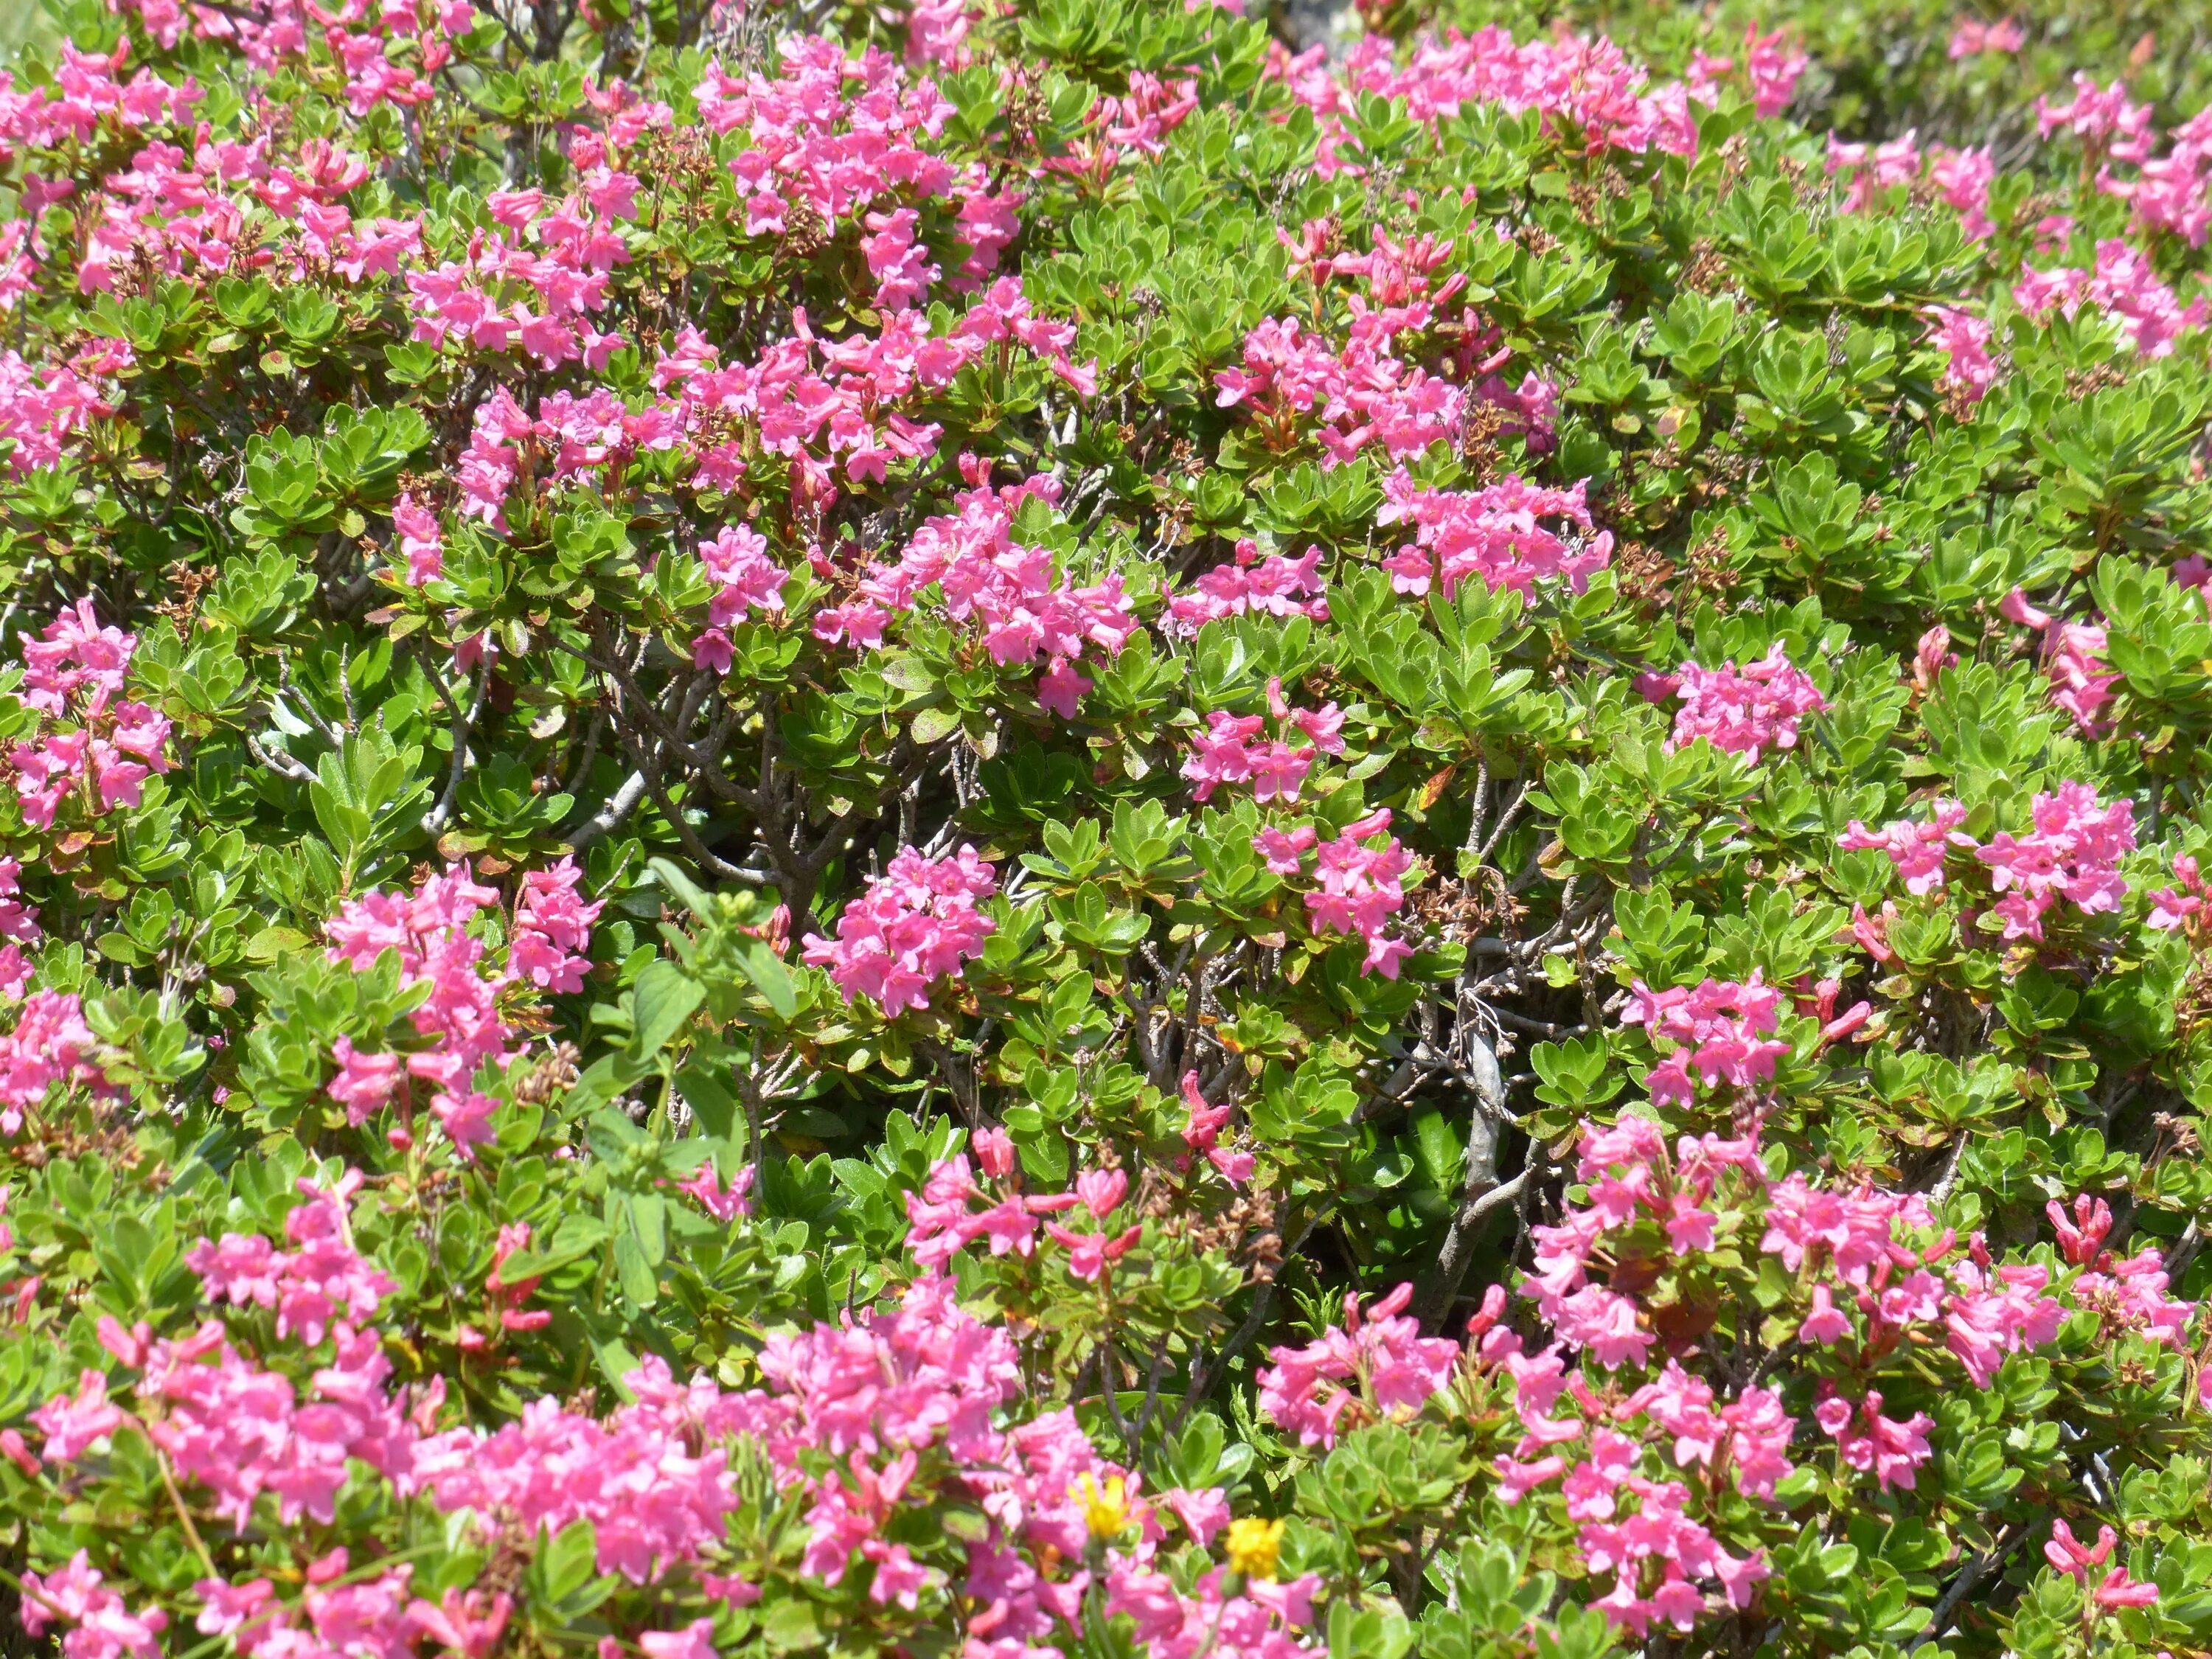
[
  {"x": 1253, "y": 1547},
  {"x": 1105, "y": 1508}
]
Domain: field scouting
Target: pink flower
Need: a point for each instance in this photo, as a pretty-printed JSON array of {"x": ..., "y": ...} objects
[
  {"x": 917, "y": 924},
  {"x": 1746, "y": 712},
  {"x": 1917, "y": 849},
  {"x": 71, "y": 1424},
  {"x": 1361, "y": 888},
  {"x": 1971, "y": 36},
  {"x": 1891, "y": 1449},
  {"x": 1824, "y": 1324},
  {"x": 422, "y": 544},
  {"x": 1398, "y": 1370},
  {"x": 1721, "y": 1031},
  {"x": 725, "y": 1204},
  {"x": 364, "y": 1082},
  {"x": 694, "y": 1641},
  {"x": 98, "y": 1623},
  {"x": 1493, "y": 536},
  {"x": 1101, "y": 1190}
]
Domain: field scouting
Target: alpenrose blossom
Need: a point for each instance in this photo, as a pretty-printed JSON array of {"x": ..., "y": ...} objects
[
  {"x": 1881, "y": 1279},
  {"x": 1586, "y": 88},
  {"x": 1382, "y": 1353},
  {"x": 93, "y": 748},
  {"x": 430, "y": 931},
  {"x": 916, "y": 926},
  {"x": 1016, "y": 595},
  {"x": 1745, "y": 711},
  {"x": 1271, "y": 587},
  {"x": 1722, "y": 1030},
  {"x": 1493, "y": 535},
  {"x": 2071, "y": 851},
  {"x": 1638, "y": 1462},
  {"x": 50, "y": 1046}
]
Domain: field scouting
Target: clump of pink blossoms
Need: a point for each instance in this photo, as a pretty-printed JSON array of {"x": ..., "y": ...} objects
[
  {"x": 2073, "y": 658},
  {"x": 1015, "y": 593},
  {"x": 2072, "y": 852},
  {"x": 93, "y": 746},
  {"x": 51, "y": 1044},
  {"x": 1234, "y": 749},
  {"x": 1745, "y": 711},
  {"x": 1272, "y": 586},
  {"x": 1723, "y": 1029},
  {"x": 1361, "y": 887},
  {"x": 1382, "y": 1354},
  {"x": 1964, "y": 340},
  {"x": 1491, "y": 534},
  {"x": 917, "y": 924},
  {"x": 429, "y": 931},
  {"x": 19, "y": 926}
]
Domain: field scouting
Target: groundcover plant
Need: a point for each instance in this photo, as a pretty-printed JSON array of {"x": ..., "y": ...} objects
[{"x": 1007, "y": 827}]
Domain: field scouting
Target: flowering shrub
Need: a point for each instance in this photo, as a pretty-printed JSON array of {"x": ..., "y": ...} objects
[{"x": 1006, "y": 828}]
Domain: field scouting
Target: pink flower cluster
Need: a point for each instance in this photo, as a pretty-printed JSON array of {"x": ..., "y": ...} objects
[
  {"x": 97, "y": 1622},
  {"x": 498, "y": 295},
  {"x": 2106, "y": 119},
  {"x": 924, "y": 1379},
  {"x": 91, "y": 744},
  {"x": 2074, "y": 658},
  {"x": 355, "y": 36},
  {"x": 2182, "y": 906},
  {"x": 1676, "y": 1419},
  {"x": 652, "y": 1501},
  {"x": 1355, "y": 395},
  {"x": 916, "y": 925},
  {"x": 1361, "y": 886},
  {"x": 2072, "y": 851},
  {"x": 50, "y": 1045},
  {"x": 1915, "y": 849},
  {"x": 88, "y": 100},
  {"x": 1873, "y": 168},
  {"x": 1964, "y": 340},
  {"x": 830, "y": 136},
  {"x": 943, "y": 1225},
  {"x": 44, "y": 411},
  {"x": 1271, "y": 587},
  {"x": 19, "y": 926},
  {"x": 821, "y": 405},
  {"x": 1491, "y": 534},
  {"x": 1890, "y": 1449},
  {"x": 1723, "y": 1029},
  {"x": 2169, "y": 191},
  {"x": 1959, "y": 179},
  {"x": 1383, "y": 1356},
  {"x": 1584, "y": 88},
  {"x": 746, "y": 580},
  {"x": 1971, "y": 37},
  {"x": 1125, "y": 126},
  {"x": 321, "y": 1281},
  {"x": 1744, "y": 711},
  {"x": 1234, "y": 749},
  {"x": 862, "y": 1419},
  {"x": 429, "y": 930},
  {"x": 2075, "y": 1558},
  {"x": 1016, "y": 594},
  {"x": 1881, "y": 1279},
  {"x": 2124, "y": 285}
]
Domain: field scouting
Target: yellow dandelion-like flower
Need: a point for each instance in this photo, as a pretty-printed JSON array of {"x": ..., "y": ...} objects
[
  {"x": 1105, "y": 1506},
  {"x": 1253, "y": 1546}
]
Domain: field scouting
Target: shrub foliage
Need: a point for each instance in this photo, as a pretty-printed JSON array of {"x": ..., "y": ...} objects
[{"x": 1004, "y": 828}]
